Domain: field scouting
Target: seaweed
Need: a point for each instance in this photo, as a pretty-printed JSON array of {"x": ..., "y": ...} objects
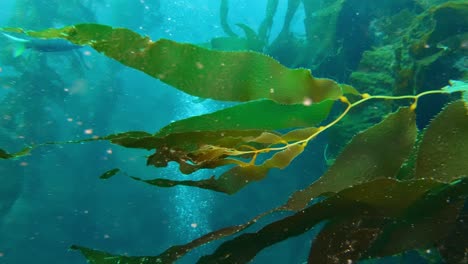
[{"x": 281, "y": 111}]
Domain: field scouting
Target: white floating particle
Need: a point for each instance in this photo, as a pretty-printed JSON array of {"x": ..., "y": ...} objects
[{"x": 307, "y": 101}]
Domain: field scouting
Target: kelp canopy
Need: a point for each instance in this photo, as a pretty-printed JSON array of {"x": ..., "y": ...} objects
[{"x": 392, "y": 189}]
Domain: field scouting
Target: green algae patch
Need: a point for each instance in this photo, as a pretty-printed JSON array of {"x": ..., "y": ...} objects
[{"x": 219, "y": 75}]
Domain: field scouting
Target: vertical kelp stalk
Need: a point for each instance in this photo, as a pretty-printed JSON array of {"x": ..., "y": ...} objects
[
  {"x": 224, "y": 10},
  {"x": 265, "y": 27}
]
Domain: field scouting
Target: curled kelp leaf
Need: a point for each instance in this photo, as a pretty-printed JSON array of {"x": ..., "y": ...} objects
[{"x": 239, "y": 176}]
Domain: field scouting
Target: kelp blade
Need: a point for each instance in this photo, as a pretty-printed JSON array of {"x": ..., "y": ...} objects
[
  {"x": 365, "y": 202},
  {"x": 364, "y": 159},
  {"x": 220, "y": 75},
  {"x": 256, "y": 115},
  {"x": 237, "y": 177}
]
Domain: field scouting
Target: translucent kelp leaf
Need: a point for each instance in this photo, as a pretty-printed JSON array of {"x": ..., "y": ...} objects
[
  {"x": 211, "y": 140},
  {"x": 269, "y": 138},
  {"x": 237, "y": 177},
  {"x": 458, "y": 86},
  {"x": 282, "y": 158},
  {"x": 300, "y": 134},
  {"x": 220, "y": 75},
  {"x": 134, "y": 139},
  {"x": 377, "y": 152},
  {"x": 188, "y": 140},
  {"x": 348, "y": 89},
  {"x": 264, "y": 114},
  {"x": 443, "y": 153}
]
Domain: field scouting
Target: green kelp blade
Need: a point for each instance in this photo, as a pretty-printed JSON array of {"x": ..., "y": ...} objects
[
  {"x": 348, "y": 89},
  {"x": 5, "y": 155},
  {"x": 236, "y": 178},
  {"x": 229, "y": 43},
  {"x": 189, "y": 141},
  {"x": 229, "y": 182},
  {"x": 109, "y": 174},
  {"x": 134, "y": 139},
  {"x": 25, "y": 151},
  {"x": 220, "y": 75},
  {"x": 101, "y": 257},
  {"x": 300, "y": 134},
  {"x": 170, "y": 255},
  {"x": 377, "y": 152},
  {"x": 367, "y": 200},
  {"x": 256, "y": 115},
  {"x": 443, "y": 152},
  {"x": 196, "y": 142},
  {"x": 192, "y": 150}
]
